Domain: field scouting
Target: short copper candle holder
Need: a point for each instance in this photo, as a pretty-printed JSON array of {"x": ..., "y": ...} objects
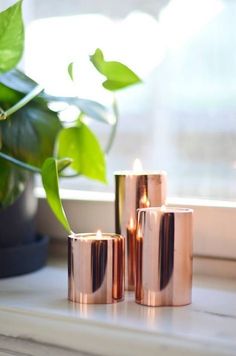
[
  {"x": 135, "y": 189},
  {"x": 164, "y": 257},
  {"x": 95, "y": 268}
]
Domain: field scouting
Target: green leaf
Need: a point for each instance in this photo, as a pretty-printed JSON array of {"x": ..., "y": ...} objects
[
  {"x": 12, "y": 182},
  {"x": 63, "y": 163},
  {"x": 70, "y": 70},
  {"x": 50, "y": 183},
  {"x": 8, "y": 97},
  {"x": 81, "y": 145},
  {"x": 92, "y": 109},
  {"x": 18, "y": 81},
  {"x": 118, "y": 75},
  {"x": 11, "y": 37},
  {"x": 30, "y": 133}
]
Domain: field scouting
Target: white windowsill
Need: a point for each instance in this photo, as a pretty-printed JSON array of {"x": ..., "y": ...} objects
[
  {"x": 214, "y": 221},
  {"x": 87, "y": 195},
  {"x": 34, "y": 309}
]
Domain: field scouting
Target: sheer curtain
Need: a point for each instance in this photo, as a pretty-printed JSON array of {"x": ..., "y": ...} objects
[
  {"x": 35, "y": 9},
  {"x": 182, "y": 118}
]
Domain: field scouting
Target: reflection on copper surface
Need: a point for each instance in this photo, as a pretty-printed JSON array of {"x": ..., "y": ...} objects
[
  {"x": 95, "y": 268},
  {"x": 166, "y": 252},
  {"x": 130, "y": 248},
  {"x": 144, "y": 202},
  {"x": 135, "y": 190},
  {"x": 164, "y": 256}
]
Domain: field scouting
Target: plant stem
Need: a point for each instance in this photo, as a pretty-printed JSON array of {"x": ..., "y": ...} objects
[
  {"x": 114, "y": 126},
  {"x": 3, "y": 115},
  {"x": 19, "y": 163},
  {"x": 25, "y": 100}
]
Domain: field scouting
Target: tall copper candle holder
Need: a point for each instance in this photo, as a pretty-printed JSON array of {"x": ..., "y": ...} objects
[
  {"x": 164, "y": 257},
  {"x": 135, "y": 189},
  {"x": 95, "y": 268}
]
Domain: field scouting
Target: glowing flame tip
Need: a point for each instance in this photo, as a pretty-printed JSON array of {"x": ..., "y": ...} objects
[
  {"x": 137, "y": 166},
  {"x": 99, "y": 234},
  {"x": 131, "y": 224}
]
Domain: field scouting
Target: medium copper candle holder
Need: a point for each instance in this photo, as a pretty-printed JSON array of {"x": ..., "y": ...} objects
[
  {"x": 135, "y": 189},
  {"x": 164, "y": 257},
  {"x": 95, "y": 268}
]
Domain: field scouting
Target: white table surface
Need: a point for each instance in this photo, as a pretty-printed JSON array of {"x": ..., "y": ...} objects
[{"x": 35, "y": 307}]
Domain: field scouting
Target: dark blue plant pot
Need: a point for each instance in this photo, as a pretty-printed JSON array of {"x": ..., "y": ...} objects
[
  {"x": 22, "y": 259},
  {"x": 21, "y": 249}
]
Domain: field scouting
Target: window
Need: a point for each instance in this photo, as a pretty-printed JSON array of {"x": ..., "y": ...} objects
[{"x": 182, "y": 119}]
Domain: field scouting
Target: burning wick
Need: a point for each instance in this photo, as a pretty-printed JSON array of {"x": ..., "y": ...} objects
[
  {"x": 131, "y": 225},
  {"x": 137, "y": 166}
]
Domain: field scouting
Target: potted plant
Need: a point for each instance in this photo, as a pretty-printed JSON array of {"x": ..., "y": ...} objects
[{"x": 33, "y": 140}]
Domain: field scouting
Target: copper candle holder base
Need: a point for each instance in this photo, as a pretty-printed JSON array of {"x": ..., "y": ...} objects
[
  {"x": 164, "y": 257},
  {"x": 135, "y": 190},
  {"x": 95, "y": 268}
]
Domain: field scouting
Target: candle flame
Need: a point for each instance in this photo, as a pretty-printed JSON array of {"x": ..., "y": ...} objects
[
  {"x": 144, "y": 202},
  {"x": 137, "y": 165},
  {"x": 139, "y": 233},
  {"x": 99, "y": 234},
  {"x": 163, "y": 209},
  {"x": 131, "y": 225}
]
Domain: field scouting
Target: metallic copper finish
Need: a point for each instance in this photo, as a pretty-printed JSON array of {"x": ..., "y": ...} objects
[
  {"x": 164, "y": 257},
  {"x": 95, "y": 268},
  {"x": 135, "y": 191}
]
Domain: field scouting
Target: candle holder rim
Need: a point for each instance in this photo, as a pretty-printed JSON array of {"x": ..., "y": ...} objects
[
  {"x": 169, "y": 209},
  {"x": 93, "y": 235},
  {"x": 141, "y": 173}
]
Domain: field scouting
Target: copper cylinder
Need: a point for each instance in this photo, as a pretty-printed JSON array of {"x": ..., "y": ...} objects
[
  {"x": 95, "y": 268},
  {"x": 133, "y": 191},
  {"x": 164, "y": 257}
]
